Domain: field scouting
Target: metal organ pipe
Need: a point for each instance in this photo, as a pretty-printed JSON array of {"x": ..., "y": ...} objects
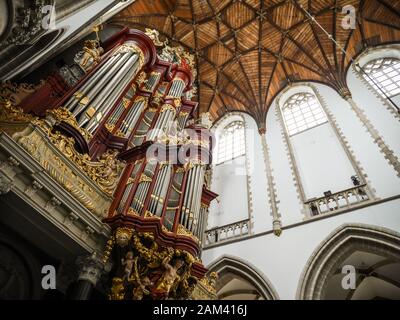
[
  {"x": 176, "y": 88},
  {"x": 158, "y": 188},
  {"x": 190, "y": 196},
  {"x": 193, "y": 197},
  {"x": 119, "y": 85},
  {"x": 182, "y": 121},
  {"x": 152, "y": 81},
  {"x": 97, "y": 86},
  {"x": 125, "y": 196},
  {"x": 92, "y": 81},
  {"x": 154, "y": 132},
  {"x": 197, "y": 202},
  {"x": 188, "y": 193},
  {"x": 132, "y": 117},
  {"x": 137, "y": 196},
  {"x": 163, "y": 192},
  {"x": 114, "y": 117}
]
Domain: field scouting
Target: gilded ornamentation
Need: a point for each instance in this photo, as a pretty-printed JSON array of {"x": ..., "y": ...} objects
[
  {"x": 192, "y": 163},
  {"x": 10, "y": 113},
  {"x": 177, "y": 102},
  {"x": 37, "y": 137},
  {"x": 107, "y": 251},
  {"x": 132, "y": 211},
  {"x": 117, "y": 289},
  {"x": 63, "y": 115},
  {"x": 148, "y": 214},
  {"x": 206, "y": 288},
  {"x": 157, "y": 99},
  {"x": 147, "y": 270},
  {"x": 144, "y": 178},
  {"x": 90, "y": 55},
  {"x": 110, "y": 127},
  {"x": 185, "y": 232},
  {"x": 105, "y": 172},
  {"x": 154, "y": 36},
  {"x": 54, "y": 160},
  {"x": 16, "y": 93},
  {"x": 166, "y": 107},
  {"x": 141, "y": 78},
  {"x": 126, "y": 47},
  {"x": 123, "y": 236}
]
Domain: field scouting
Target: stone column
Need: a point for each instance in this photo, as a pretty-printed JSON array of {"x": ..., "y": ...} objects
[
  {"x": 276, "y": 223},
  {"x": 91, "y": 268}
]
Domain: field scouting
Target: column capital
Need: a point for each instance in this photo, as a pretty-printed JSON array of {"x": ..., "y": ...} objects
[
  {"x": 261, "y": 129},
  {"x": 5, "y": 184},
  {"x": 345, "y": 93},
  {"x": 277, "y": 227},
  {"x": 91, "y": 268}
]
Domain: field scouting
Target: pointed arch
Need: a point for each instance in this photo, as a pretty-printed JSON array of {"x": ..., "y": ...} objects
[
  {"x": 230, "y": 264},
  {"x": 340, "y": 244}
]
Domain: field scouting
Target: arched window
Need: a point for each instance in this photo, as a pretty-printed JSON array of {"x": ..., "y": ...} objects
[
  {"x": 231, "y": 142},
  {"x": 302, "y": 111},
  {"x": 384, "y": 73}
]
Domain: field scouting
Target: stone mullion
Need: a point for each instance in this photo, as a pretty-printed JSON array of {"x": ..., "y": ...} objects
[{"x": 276, "y": 224}]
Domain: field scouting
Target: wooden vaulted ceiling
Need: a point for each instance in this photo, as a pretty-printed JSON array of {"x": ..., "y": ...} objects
[{"x": 247, "y": 51}]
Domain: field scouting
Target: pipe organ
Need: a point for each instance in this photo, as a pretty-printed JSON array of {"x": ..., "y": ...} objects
[{"x": 132, "y": 107}]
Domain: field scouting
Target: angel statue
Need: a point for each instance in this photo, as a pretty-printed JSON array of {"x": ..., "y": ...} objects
[
  {"x": 168, "y": 279},
  {"x": 89, "y": 56},
  {"x": 154, "y": 35}
]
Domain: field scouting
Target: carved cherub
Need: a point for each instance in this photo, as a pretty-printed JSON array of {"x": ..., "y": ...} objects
[
  {"x": 168, "y": 278},
  {"x": 142, "y": 288},
  {"x": 128, "y": 263},
  {"x": 90, "y": 55}
]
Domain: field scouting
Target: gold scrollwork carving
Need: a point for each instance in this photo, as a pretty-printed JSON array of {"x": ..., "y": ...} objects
[
  {"x": 166, "y": 107},
  {"x": 158, "y": 272},
  {"x": 104, "y": 172},
  {"x": 63, "y": 115},
  {"x": 185, "y": 232},
  {"x": 144, "y": 178},
  {"x": 141, "y": 78},
  {"x": 16, "y": 93}
]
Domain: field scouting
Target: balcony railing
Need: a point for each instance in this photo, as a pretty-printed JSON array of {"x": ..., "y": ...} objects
[
  {"x": 337, "y": 201},
  {"x": 228, "y": 232}
]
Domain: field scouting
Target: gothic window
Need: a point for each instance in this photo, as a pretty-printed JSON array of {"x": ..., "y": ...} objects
[
  {"x": 384, "y": 75},
  {"x": 231, "y": 142},
  {"x": 302, "y": 111}
]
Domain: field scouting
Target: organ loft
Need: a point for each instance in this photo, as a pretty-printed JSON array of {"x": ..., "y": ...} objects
[{"x": 199, "y": 150}]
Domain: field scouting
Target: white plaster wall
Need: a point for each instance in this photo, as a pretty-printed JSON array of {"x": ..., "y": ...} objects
[
  {"x": 381, "y": 175},
  {"x": 376, "y": 111},
  {"x": 261, "y": 211},
  {"x": 289, "y": 206},
  {"x": 322, "y": 161},
  {"x": 241, "y": 185},
  {"x": 283, "y": 259},
  {"x": 231, "y": 205}
]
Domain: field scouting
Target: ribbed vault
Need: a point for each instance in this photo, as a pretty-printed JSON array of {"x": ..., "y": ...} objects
[{"x": 249, "y": 50}]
